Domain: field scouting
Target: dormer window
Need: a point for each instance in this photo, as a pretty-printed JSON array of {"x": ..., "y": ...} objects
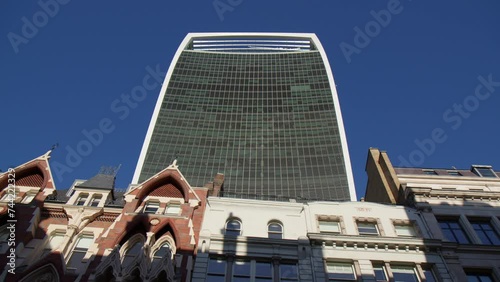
[
  {"x": 82, "y": 198},
  {"x": 484, "y": 171},
  {"x": 429, "y": 172},
  {"x": 151, "y": 207}
]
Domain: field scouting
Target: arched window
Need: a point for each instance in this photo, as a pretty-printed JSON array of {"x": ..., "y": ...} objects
[
  {"x": 233, "y": 227},
  {"x": 161, "y": 252},
  {"x": 132, "y": 252},
  {"x": 275, "y": 230}
]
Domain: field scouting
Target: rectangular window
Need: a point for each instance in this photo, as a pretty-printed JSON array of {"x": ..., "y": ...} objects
[
  {"x": 80, "y": 250},
  {"x": 479, "y": 276},
  {"x": 96, "y": 199},
  {"x": 340, "y": 271},
  {"x": 380, "y": 273},
  {"x": 82, "y": 198},
  {"x": 241, "y": 271},
  {"x": 367, "y": 228},
  {"x": 151, "y": 207},
  {"x": 216, "y": 270},
  {"x": 454, "y": 173},
  {"x": 404, "y": 273},
  {"x": 263, "y": 271},
  {"x": 405, "y": 230},
  {"x": 173, "y": 209},
  {"x": 486, "y": 232},
  {"x": 329, "y": 226},
  {"x": 429, "y": 274},
  {"x": 429, "y": 172},
  {"x": 289, "y": 272},
  {"x": 484, "y": 171},
  {"x": 453, "y": 231}
]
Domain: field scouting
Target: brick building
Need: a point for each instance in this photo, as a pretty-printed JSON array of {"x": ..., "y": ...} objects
[{"x": 94, "y": 232}]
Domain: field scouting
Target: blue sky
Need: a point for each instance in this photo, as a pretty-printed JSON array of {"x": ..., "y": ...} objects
[{"x": 420, "y": 80}]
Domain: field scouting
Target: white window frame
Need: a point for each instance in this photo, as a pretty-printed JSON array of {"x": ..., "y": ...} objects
[
  {"x": 151, "y": 204},
  {"x": 341, "y": 267},
  {"x": 226, "y": 229},
  {"x": 83, "y": 250},
  {"x": 275, "y": 233},
  {"x": 95, "y": 197},
  {"x": 329, "y": 222},
  {"x": 80, "y": 197},
  {"x": 358, "y": 223},
  {"x": 411, "y": 228},
  {"x": 26, "y": 199},
  {"x": 175, "y": 205}
]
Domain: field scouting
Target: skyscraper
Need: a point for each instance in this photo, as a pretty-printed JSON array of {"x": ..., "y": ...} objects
[{"x": 261, "y": 108}]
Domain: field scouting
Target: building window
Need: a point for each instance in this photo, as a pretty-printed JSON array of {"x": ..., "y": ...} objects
[
  {"x": 340, "y": 271},
  {"x": 479, "y": 276},
  {"x": 82, "y": 245},
  {"x": 96, "y": 199},
  {"x": 275, "y": 230},
  {"x": 28, "y": 198},
  {"x": 289, "y": 272},
  {"x": 484, "y": 171},
  {"x": 233, "y": 227},
  {"x": 151, "y": 207},
  {"x": 454, "y": 173},
  {"x": 453, "y": 231},
  {"x": 173, "y": 209},
  {"x": 241, "y": 270},
  {"x": 485, "y": 232},
  {"x": 405, "y": 230},
  {"x": 367, "y": 228},
  {"x": 55, "y": 240},
  {"x": 131, "y": 253},
  {"x": 429, "y": 172},
  {"x": 429, "y": 274},
  {"x": 404, "y": 273},
  {"x": 380, "y": 273},
  {"x": 263, "y": 271},
  {"x": 82, "y": 198},
  {"x": 216, "y": 270},
  {"x": 160, "y": 253},
  {"x": 329, "y": 226}
]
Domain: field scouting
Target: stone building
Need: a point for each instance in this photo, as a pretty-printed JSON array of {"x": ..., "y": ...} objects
[{"x": 459, "y": 206}]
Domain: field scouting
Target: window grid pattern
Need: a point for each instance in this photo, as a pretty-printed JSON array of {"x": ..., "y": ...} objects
[
  {"x": 267, "y": 121},
  {"x": 486, "y": 233},
  {"x": 453, "y": 231}
]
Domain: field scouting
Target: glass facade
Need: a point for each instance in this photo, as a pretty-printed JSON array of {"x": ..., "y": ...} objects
[{"x": 265, "y": 120}]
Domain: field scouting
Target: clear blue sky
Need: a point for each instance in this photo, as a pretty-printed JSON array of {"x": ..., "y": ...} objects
[{"x": 412, "y": 77}]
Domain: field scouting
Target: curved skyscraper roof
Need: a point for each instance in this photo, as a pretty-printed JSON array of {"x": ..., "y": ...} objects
[{"x": 261, "y": 108}]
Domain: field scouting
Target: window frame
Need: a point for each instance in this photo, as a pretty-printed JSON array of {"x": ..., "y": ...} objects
[
  {"x": 27, "y": 196},
  {"x": 411, "y": 227},
  {"x": 93, "y": 199},
  {"x": 339, "y": 263},
  {"x": 230, "y": 231},
  {"x": 478, "y": 168},
  {"x": 177, "y": 205},
  {"x": 452, "y": 230},
  {"x": 151, "y": 204},
  {"x": 79, "y": 250},
  {"x": 374, "y": 223},
  {"x": 479, "y": 221},
  {"x": 327, "y": 222},
  {"x": 272, "y": 234},
  {"x": 81, "y": 196}
]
